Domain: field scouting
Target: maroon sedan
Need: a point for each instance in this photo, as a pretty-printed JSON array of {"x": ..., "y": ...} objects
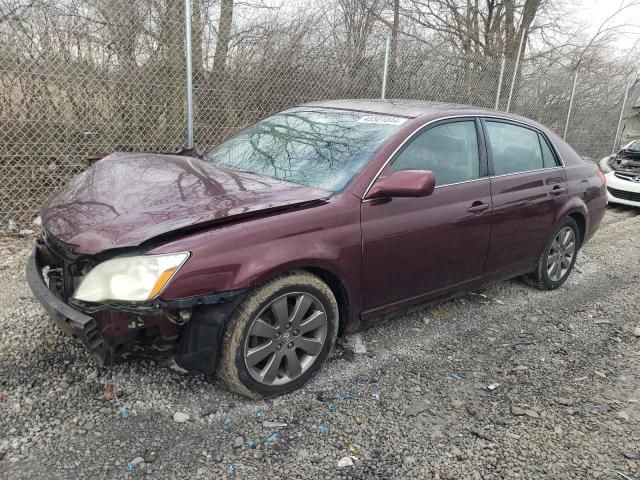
[{"x": 252, "y": 259}]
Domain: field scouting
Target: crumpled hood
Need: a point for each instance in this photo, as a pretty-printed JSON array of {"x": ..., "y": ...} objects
[{"x": 128, "y": 198}]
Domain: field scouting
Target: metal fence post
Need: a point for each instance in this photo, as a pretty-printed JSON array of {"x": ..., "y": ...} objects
[
  {"x": 386, "y": 67},
  {"x": 624, "y": 105},
  {"x": 500, "y": 83},
  {"x": 515, "y": 72},
  {"x": 573, "y": 92},
  {"x": 189, "y": 62}
]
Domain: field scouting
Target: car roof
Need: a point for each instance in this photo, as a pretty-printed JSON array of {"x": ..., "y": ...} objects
[{"x": 413, "y": 108}]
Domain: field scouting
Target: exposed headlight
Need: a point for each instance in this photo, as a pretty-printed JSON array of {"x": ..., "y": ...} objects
[
  {"x": 130, "y": 279},
  {"x": 604, "y": 165}
]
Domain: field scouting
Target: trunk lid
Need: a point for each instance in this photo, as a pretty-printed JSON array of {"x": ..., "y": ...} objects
[{"x": 126, "y": 199}]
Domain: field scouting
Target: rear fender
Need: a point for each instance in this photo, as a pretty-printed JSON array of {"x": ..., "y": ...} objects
[{"x": 573, "y": 206}]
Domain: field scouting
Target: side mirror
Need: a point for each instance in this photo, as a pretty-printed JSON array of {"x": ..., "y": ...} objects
[{"x": 405, "y": 183}]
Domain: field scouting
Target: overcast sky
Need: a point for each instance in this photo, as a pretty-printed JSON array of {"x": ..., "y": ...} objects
[
  {"x": 589, "y": 13},
  {"x": 594, "y": 12}
]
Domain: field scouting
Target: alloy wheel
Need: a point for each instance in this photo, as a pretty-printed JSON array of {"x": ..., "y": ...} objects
[
  {"x": 285, "y": 338},
  {"x": 561, "y": 253}
]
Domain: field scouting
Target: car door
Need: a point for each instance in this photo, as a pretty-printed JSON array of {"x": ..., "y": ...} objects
[
  {"x": 528, "y": 188},
  {"x": 415, "y": 248}
]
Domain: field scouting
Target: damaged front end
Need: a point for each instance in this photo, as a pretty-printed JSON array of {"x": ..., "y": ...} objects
[
  {"x": 626, "y": 161},
  {"x": 187, "y": 330}
]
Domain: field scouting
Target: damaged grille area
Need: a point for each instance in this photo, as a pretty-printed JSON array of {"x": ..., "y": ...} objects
[
  {"x": 631, "y": 177},
  {"x": 65, "y": 268},
  {"x": 624, "y": 195}
]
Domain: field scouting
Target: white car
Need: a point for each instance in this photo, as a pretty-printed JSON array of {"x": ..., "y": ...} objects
[{"x": 622, "y": 171}]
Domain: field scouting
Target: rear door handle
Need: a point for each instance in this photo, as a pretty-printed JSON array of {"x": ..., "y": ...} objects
[
  {"x": 558, "y": 190},
  {"x": 477, "y": 207}
]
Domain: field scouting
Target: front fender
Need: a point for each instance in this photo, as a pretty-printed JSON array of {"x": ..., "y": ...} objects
[{"x": 249, "y": 253}]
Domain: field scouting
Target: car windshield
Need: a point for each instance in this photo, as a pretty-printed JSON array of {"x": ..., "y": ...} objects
[
  {"x": 320, "y": 148},
  {"x": 633, "y": 146}
]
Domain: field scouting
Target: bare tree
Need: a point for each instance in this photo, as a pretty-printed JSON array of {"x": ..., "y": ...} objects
[
  {"x": 80, "y": 76},
  {"x": 394, "y": 30},
  {"x": 607, "y": 30},
  {"x": 492, "y": 28},
  {"x": 224, "y": 38},
  {"x": 358, "y": 19}
]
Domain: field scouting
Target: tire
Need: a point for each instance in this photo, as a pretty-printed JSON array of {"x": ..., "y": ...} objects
[
  {"x": 242, "y": 345},
  {"x": 541, "y": 277}
]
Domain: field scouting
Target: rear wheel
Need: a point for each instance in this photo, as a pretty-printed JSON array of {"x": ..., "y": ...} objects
[
  {"x": 558, "y": 258},
  {"x": 279, "y": 336}
]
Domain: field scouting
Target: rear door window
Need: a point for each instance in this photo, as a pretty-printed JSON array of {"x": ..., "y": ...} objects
[
  {"x": 449, "y": 150},
  {"x": 513, "y": 148}
]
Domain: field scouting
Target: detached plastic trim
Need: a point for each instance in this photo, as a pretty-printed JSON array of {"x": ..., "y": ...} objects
[{"x": 70, "y": 320}]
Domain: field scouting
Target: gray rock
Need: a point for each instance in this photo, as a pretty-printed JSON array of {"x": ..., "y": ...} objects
[
  {"x": 416, "y": 409},
  {"x": 150, "y": 456},
  {"x": 238, "y": 442},
  {"x": 345, "y": 462},
  {"x": 517, "y": 411},
  {"x": 409, "y": 460},
  {"x": 180, "y": 417},
  {"x": 477, "y": 411}
]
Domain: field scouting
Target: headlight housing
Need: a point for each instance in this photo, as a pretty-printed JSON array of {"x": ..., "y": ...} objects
[
  {"x": 604, "y": 165},
  {"x": 129, "y": 279}
]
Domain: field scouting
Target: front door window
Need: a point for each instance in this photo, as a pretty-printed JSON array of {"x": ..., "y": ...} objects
[{"x": 450, "y": 151}]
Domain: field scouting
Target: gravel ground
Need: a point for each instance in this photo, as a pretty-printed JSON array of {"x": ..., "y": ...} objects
[{"x": 565, "y": 366}]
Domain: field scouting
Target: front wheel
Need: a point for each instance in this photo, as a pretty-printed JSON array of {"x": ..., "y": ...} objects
[
  {"x": 279, "y": 336},
  {"x": 557, "y": 259}
]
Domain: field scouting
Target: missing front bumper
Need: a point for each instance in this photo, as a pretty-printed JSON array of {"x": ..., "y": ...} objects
[
  {"x": 68, "y": 319},
  {"x": 199, "y": 340}
]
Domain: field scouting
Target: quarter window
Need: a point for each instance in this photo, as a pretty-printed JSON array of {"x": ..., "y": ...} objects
[
  {"x": 514, "y": 149},
  {"x": 548, "y": 158},
  {"x": 450, "y": 151}
]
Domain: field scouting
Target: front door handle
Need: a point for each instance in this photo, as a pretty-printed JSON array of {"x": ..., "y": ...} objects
[
  {"x": 557, "y": 190},
  {"x": 477, "y": 207}
]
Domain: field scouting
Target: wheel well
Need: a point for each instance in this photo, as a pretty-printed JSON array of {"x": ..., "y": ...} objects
[
  {"x": 338, "y": 290},
  {"x": 581, "y": 225}
]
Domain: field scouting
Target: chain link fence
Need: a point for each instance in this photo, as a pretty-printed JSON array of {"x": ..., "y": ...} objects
[
  {"x": 80, "y": 77},
  {"x": 426, "y": 72}
]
